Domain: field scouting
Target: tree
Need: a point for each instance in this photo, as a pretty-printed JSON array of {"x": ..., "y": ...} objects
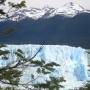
[
  {"x": 10, "y": 73},
  {"x": 12, "y": 7}
]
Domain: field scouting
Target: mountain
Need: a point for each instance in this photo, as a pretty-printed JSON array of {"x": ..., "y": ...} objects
[
  {"x": 68, "y": 10},
  {"x": 52, "y": 27}
]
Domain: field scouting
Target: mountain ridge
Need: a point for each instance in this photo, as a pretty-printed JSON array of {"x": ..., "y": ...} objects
[
  {"x": 52, "y": 31},
  {"x": 67, "y": 10}
]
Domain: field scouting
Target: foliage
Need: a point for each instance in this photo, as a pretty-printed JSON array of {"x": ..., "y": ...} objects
[
  {"x": 10, "y": 76},
  {"x": 2, "y": 1},
  {"x": 20, "y": 5},
  {"x": 3, "y": 52},
  {"x": 7, "y": 88},
  {"x": 11, "y": 73},
  {"x": 44, "y": 67},
  {"x": 11, "y": 6},
  {"x": 53, "y": 84},
  {"x": 2, "y": 45},
  {"x": 86, "y": 87}
]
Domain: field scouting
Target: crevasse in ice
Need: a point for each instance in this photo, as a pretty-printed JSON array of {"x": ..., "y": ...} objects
[{"x": 72, "y": 60}]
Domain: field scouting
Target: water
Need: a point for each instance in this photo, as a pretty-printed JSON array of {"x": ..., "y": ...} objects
[{"x": 73, "y": 62}]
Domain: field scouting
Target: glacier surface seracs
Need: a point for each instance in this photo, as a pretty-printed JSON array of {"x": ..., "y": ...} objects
[{"x": 72, "y": 60}]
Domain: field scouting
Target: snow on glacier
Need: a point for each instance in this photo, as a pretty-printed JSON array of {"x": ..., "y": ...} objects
[{"x": 72, "y": 60}]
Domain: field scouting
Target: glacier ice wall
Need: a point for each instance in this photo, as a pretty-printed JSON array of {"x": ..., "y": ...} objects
[{"x": 72, "y": 60}]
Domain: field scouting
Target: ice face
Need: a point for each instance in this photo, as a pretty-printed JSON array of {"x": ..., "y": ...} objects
[{"x": 72, "y": 60}]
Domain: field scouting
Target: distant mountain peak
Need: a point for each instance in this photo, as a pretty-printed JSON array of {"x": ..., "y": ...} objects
[
  {"x": 69, "y": 9},
  {"x": 70, "y": 4},
  {"x": 74, "y": 6}
]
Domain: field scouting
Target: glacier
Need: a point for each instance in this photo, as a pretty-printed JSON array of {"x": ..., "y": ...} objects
[{"x": 73, "y": 62}]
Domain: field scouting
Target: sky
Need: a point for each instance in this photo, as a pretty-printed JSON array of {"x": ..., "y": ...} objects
[
  {"x": 57, "y": 3},
  {"x": 54, "y": 3}
]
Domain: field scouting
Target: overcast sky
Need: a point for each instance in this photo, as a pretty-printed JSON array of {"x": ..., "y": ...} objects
[{"x": 57, "y": 3}]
